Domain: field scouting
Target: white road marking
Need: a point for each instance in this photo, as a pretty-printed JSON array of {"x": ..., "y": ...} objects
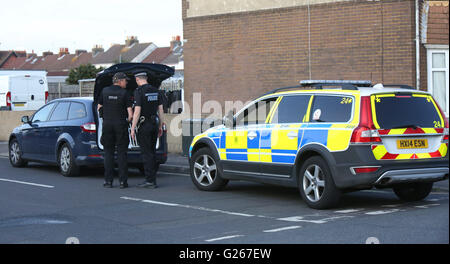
[
  {"x": 381, "y": 212},
  {"x": 348, "y": 211},
  {"x": 187, "y": 206},
  {"x": 56, "y": 222},
  {"x": 223, "y": 238},
  {"x": 426, "y": 206},
  {"x": 160, "y": 203},
  {"x": 300, "y": 219},
  {"x": 281, "y": 229},
  {"x": 27, "y": 183},
  {"x": 336, "y": 217}
]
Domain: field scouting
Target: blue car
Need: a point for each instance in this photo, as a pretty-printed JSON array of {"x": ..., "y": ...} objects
[{"x": 66, "y": 132}]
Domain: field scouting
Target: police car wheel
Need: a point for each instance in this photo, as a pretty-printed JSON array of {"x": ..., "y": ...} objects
[
  {"x": 66, "y": 163},
  {"x": 206, "y": 172},
  {"x": 316, "y": 184},
  {"x": 412, "y": 192},
  {"x": 15, "y": 154}
]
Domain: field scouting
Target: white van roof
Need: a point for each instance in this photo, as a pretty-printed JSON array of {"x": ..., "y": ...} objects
[{"x": 23, "y": 72}]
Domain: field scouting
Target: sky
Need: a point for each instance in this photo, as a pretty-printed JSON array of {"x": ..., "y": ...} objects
[{"x": 47, "y": 25}]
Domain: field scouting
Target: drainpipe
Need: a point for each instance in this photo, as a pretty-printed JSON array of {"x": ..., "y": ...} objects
[
  {"x": 417, "y": 46},
  {"x": 309, "y": 40}
]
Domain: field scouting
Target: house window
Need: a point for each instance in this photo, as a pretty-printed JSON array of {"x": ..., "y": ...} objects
[{"x": 438, "y": 76}]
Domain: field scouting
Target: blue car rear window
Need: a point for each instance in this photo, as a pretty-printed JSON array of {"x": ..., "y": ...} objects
[{"x": 77, "y": 110}]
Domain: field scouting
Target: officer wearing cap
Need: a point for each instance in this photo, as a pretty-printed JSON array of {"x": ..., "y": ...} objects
[
  {"x": 115, "y": 106},
  {"x": 147, "y": 112}
]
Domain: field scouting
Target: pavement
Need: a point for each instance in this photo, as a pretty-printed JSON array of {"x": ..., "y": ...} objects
[{"x": 178, "y": 163}]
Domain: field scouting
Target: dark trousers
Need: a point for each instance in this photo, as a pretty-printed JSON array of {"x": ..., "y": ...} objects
[
  {"x": 147, "y": 136},
  {"x": 115, "y": 135}
]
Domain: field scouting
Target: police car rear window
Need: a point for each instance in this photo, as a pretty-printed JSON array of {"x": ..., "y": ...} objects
[
  {"x": 331, "y": 109},
  {"x": 405, "y": 110}
]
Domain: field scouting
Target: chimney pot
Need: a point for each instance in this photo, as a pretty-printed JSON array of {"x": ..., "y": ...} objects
[
  {"x": 97, "y": 49},
  {"x": 80, "y": 51},
  {"x": 131, "y": 40}
]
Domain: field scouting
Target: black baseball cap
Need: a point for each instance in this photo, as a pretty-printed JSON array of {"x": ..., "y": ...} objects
[{"x": 120, "y": 76}]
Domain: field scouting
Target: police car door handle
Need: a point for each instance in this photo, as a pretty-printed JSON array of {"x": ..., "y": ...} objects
[
  {"x": 292, "y": 135},
  {"x": 252, "y": 135}
]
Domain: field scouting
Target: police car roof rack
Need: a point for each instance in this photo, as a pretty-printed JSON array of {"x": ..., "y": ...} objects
[
  {"x": 344, "y": 84},
  {"x": 402, "y": 86}
]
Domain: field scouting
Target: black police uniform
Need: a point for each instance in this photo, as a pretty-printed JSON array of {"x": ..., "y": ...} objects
[
  {"x": 149, "y": 99},
  {"x": 115, "y": 101}
]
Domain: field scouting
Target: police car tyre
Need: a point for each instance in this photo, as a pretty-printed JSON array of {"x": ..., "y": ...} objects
[
  {"x": 413, "y": 191},
  {"x": 316, "y": 184},
  {"x": 206, "y": 171},
  {"x": 15, "y": 154},
  {"x": 66, "y": 162}
]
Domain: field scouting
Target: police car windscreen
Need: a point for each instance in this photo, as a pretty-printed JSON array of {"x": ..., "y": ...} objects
[{"x": 403, "y": 111}]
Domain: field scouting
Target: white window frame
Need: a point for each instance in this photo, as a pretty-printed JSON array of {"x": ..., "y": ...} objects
[{"x": 431, "y": 49}]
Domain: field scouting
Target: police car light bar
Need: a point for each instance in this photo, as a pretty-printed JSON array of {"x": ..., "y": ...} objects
[{"x": 336, "y": 82}]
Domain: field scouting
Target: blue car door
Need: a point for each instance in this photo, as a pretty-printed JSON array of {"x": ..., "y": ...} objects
[
  {"x": 52, "y": 129},
  {"x": 33, "y": 135}
]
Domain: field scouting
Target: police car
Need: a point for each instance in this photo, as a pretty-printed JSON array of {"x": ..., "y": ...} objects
[{"x": 327, "y": 138}]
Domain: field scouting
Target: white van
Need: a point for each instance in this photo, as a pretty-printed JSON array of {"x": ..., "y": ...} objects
[{"x": 21, "y": 91}]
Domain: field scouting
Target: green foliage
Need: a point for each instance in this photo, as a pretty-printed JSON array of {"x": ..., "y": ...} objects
[{"x": 87, "y": 71}]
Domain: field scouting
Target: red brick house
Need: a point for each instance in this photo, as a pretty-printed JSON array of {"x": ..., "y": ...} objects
[
  {"x": 238, "y": 49},
  {"x": 434, "y": 71},
  {"x": 12, "y": 59}
]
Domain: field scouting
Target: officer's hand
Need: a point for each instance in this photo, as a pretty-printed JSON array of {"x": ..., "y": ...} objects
[
  {"x": 160, "y": 132},
  {"x": 133, "y": 134}
]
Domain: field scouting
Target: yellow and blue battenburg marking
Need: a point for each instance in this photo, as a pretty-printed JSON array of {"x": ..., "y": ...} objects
[{"x": 272, "y": 143}]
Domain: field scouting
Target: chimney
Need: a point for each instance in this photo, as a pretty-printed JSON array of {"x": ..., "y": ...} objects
[
  {"x": 32, "y": 54},
  {"x": 63, "y": 51},
  {"x": 176, "y": 42},
  {"x": 131, "y": 40},
  {"x": 79, "y": 52},
  {"x": 47, "y": 53},
  {"x": 97, "y": 49}
]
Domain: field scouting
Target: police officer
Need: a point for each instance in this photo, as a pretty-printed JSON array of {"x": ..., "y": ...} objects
[
  {"x": 147, "y": 112},
  {"x": 117, "y": 112}
]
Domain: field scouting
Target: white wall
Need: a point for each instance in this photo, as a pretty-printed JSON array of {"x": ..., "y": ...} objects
[{"x": 212, "y": 7}]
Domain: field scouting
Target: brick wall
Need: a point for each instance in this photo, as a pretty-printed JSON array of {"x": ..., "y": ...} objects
[
  {"x": 437, "y": 32},
  {"x": 239, "y": 56},
  {"x": 436, "y": 26}
]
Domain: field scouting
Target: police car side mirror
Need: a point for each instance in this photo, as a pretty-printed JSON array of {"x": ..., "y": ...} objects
[{"x": 229, "y": 120}]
